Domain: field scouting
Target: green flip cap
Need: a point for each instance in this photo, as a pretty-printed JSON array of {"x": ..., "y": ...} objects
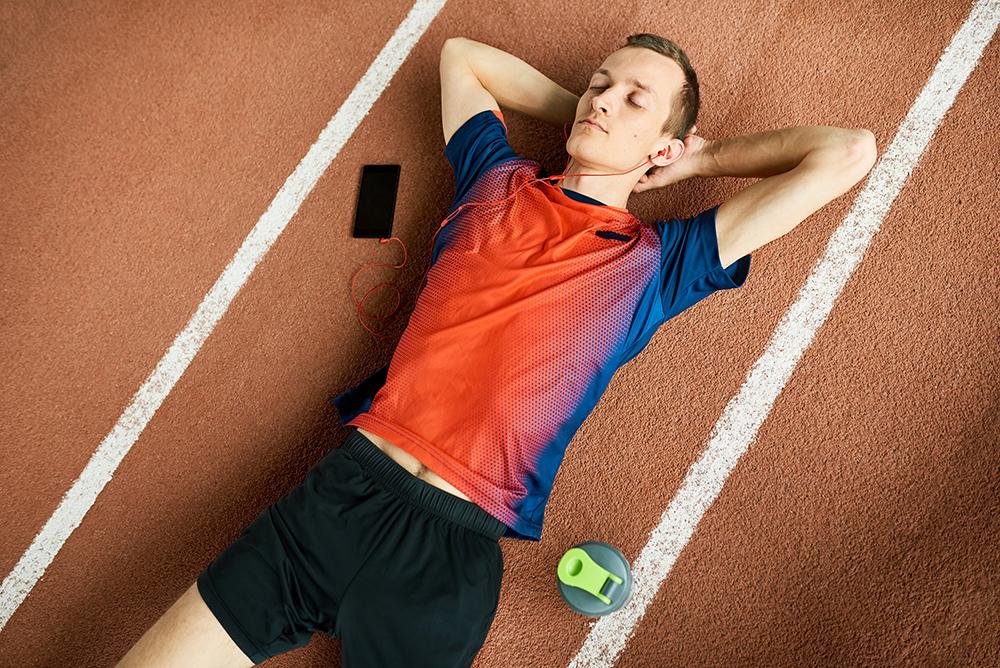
[{"x": 577, "y": 569}]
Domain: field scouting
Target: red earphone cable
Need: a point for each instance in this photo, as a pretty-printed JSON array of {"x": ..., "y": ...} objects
[{"x": 358, "y": 305}]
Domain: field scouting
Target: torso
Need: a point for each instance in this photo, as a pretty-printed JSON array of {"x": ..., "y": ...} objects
[{"x": 411, "y": 463}]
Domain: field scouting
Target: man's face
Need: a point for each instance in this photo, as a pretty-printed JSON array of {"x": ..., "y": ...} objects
[{"x": 632, "y": 117}]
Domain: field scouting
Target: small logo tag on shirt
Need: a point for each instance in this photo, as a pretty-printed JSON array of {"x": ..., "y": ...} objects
[{"x": 608, "y": 234}]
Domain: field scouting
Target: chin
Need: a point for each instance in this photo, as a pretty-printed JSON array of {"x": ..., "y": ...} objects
[{"x": 584, "y": 152}]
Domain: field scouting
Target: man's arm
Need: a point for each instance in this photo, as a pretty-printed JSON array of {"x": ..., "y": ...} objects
[
  {"x": 517, "y": 85},
  {"x": 462, "y": 96},
  {"x": 803, "y": 167}
]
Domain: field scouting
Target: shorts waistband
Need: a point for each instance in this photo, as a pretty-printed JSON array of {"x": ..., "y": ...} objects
[{"x": 436, "y": 500}]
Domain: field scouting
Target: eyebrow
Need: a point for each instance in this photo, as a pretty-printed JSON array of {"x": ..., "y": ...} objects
[{"x": 637, "y": 83}]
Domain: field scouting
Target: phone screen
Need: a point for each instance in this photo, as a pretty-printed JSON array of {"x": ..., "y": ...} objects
[{"x": 376, "y": 202}]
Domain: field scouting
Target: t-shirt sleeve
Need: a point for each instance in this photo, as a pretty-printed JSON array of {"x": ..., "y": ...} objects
[
  {"x": 690, "y": 269},
  {"x": 476, "y": 147}
]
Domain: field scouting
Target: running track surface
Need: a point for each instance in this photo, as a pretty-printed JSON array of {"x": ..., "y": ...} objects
[{"x": 142, "y": 145}]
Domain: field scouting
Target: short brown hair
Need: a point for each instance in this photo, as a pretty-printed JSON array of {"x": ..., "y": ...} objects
[{"x": 684, "y": 105}]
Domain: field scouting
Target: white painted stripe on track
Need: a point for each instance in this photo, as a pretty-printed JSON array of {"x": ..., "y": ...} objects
[
  {"x": 741, "y": 419},
  {"x": 104, "y": 462}
]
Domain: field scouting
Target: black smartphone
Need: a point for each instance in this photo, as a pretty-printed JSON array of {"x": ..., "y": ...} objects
[{"x": 376, "y": 202}]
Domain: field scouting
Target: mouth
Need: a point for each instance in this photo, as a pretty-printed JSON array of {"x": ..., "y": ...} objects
[{"x": 587, "y": 121}]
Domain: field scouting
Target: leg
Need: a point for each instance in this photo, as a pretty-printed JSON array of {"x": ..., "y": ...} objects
[
  {"x": 426, "y": 598},
  {"x": 187, "y": 634},
  {"x": 273, "y": 586}
]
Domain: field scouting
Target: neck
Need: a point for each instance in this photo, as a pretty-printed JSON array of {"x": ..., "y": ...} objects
[{"x": 611, "y": 190}]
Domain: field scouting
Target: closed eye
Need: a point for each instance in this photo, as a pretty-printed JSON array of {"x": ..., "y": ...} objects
[{"x": 629, "y": 100}]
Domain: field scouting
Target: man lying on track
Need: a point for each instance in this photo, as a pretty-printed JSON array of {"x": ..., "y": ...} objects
[{"x": 536, "y": 294}]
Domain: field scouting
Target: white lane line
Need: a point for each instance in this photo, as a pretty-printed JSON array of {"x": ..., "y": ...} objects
[
  {"x": 743, "y": 416},
  {"x": 103, "y": 463}
]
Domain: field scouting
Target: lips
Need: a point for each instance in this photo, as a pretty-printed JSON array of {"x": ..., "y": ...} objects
[{"x": 597, "y": 125}]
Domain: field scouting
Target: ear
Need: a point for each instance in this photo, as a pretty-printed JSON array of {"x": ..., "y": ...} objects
[{"x": 674, "y": 150}]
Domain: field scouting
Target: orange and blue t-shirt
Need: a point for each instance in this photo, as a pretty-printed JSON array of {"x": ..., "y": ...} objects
[{"x": 526, "y": 311}]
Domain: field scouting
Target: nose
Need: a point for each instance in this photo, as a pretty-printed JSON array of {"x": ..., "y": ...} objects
[{"x": 597, "y": 102}]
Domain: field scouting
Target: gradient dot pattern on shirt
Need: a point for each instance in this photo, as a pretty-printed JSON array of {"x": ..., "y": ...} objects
[{"x": 525, "y": 314}]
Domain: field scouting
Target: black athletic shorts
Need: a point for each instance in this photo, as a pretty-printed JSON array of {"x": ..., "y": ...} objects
[{"x": 404, "y": 573}]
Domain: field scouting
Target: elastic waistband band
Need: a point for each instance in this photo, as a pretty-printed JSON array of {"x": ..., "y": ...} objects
[{"x": 451, "y": 507}]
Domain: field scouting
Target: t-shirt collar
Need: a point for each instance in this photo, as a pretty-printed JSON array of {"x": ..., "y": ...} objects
[{"x": 580, "y": 197}]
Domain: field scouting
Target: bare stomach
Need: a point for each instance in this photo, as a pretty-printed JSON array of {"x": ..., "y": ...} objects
[{"x": 411, "y": 464}]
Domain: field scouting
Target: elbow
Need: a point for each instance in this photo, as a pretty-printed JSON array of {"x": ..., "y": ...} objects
[
  {"x": 454, "y": 41},
  {"x": 861, "y": 149}
]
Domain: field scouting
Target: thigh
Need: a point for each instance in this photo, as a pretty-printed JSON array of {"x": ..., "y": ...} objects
[
  {"x": 253, "y": 592},
  {"x": 187, "y": 634},
  {"x": 427, "y": 596},
  {"x": 282, "y": 579}
]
